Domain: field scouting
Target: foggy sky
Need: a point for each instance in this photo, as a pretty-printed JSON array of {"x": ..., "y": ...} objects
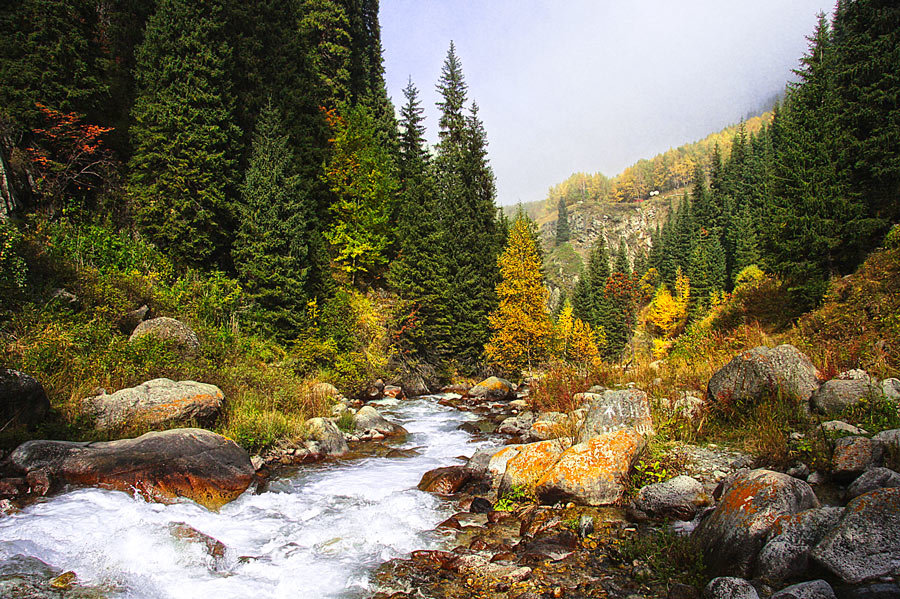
[{"x": 594, "y": 85}]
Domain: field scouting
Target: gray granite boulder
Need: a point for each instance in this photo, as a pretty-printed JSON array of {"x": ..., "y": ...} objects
[
  {"x": 854, "y": 455},
  {"x": 156, "y": 403},
  {"x": 324, "y": 437},
  {"x": 814, "y": 589},
  {"x": 836, "y": 395},
  {"x": 763, "y": 372},
  {"x": 679, "y": 498},
  {"x": 368, "y": 418},
  {"x": 168, "y": 329},
  {"x": 785, "y": 556},
  {"x": 870, "y": 480},
  {"x": 729, "y": 587},
  {"x": 614, "y": 411},
  {"x": 865, "y": 545}
]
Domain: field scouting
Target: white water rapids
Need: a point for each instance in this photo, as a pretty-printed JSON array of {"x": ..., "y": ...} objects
[{"x": 315, "y": 535}]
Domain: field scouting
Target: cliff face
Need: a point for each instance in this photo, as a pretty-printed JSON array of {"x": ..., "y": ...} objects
[{"x": 633, "y": 222}]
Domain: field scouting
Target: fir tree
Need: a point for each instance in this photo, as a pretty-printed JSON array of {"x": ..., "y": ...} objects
[
  {"x": 563, "y": 233},
  {"x": 271, "y": 252},
  {"x": 622, "y": 264},
  {"x": 182, "y": 171},
  {"x": 468, "y": 215}
]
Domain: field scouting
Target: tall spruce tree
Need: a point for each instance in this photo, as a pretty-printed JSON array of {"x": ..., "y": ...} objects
[
  {"x": 810, "y": 225},
  {"x": 271, "y": 251},
  {"x": 420, "y": 272},
  {"x": 589, "y": 294},
  {"x": 563, "y": 232},
  {"x": 185, "y": 140},
  {"x": 468, "y": 215}
]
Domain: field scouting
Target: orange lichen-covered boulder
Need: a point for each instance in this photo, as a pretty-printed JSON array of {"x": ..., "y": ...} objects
[
  {"x": 154, "y": 404},
  {"x": 732, "y": 535},
  {"x": 865, "y": 545},
  {"x": 592, "y": 473},
  {"x": 531, "y": 462},
  {"x": 193, "y": 463},
  {"x": 493, "y": 388}
]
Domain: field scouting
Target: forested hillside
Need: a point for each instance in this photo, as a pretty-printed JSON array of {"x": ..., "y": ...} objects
[{"x": 248, "y": 152}]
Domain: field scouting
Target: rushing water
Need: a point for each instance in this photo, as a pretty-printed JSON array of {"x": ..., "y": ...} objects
[{"x": 317, "y": 534}]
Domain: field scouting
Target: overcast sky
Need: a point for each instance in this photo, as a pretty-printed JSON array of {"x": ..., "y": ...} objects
[{"x": 594, "y": 85}]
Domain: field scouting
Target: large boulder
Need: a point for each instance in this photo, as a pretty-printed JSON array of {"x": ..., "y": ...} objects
[
  {"x": 493, "y": 388},
  {"x": 731, "y": 536},
  {"x": 890, "y": 389},
  {"x": 762, "y": 372},
  {"x": 168, "y": 329},
  {"x": 838, "y": 394},
  {"x": 500, "y": 458},
  {"x": 156, "y": 403},
  {"x": 854, "y": 455},
  {"x": 445, "y": 481},
  {"x": 785, "y": 556},
  {"x": 549, "y": 425},
  {"x": 193, "y": 463},
  {"x": 814, "y": 589},
  {"x": 680, "y": 498},
  {"x": 22, "y": 398},
  {"x": 594, "y": 472},
  {"x": 615, "y": 411},
  {"x": 324, "y": 437},
  {"x": 891, "y": 438},
  {"x": 729, "y": 587},
  {"x": 875, "y": 478},
  {"x": 531, "y": 462},
  {"x": 865, "y": 544},
  {"x": 368, "y": 418}
]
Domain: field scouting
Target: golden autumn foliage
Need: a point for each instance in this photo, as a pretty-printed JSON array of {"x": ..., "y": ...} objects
[
  {"x": 522, "y": 331},
  {"x": 666, "y": 315},
  {"x": 578, "y": 343}
]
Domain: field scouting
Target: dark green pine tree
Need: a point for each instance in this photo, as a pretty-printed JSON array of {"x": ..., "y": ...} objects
[
  {"x": 271, "y": 250},
  {"x": 866, "y": 77},
  {"x": 683, "y": 237},
  {"x": 465, "y": 192},
  {"x": 420, "y": 273},
  {"x": 706, "y": 272},
  {"x": 810, "y": 229},
  {"x": 704, "y": 210},
  {"x": 622, "y": 265},
  {"x": 181, "y": 181},
  {"x": 563, "y": 232},
  {"x": 590, "y": 290},
  {"x": 746, "y": 242},
  {"x": 51, "y": 52}
]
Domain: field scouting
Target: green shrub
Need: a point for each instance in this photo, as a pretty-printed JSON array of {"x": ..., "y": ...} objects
[
  {"x": 669, "y": 557},
  {"x": 13, "y": 269}
]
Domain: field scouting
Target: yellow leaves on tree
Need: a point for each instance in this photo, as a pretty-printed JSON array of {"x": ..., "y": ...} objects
[
  {"x": 666, "y": 315},
  {"x": 578, "y": 343},
  {"x": 522, "y": 331}
]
